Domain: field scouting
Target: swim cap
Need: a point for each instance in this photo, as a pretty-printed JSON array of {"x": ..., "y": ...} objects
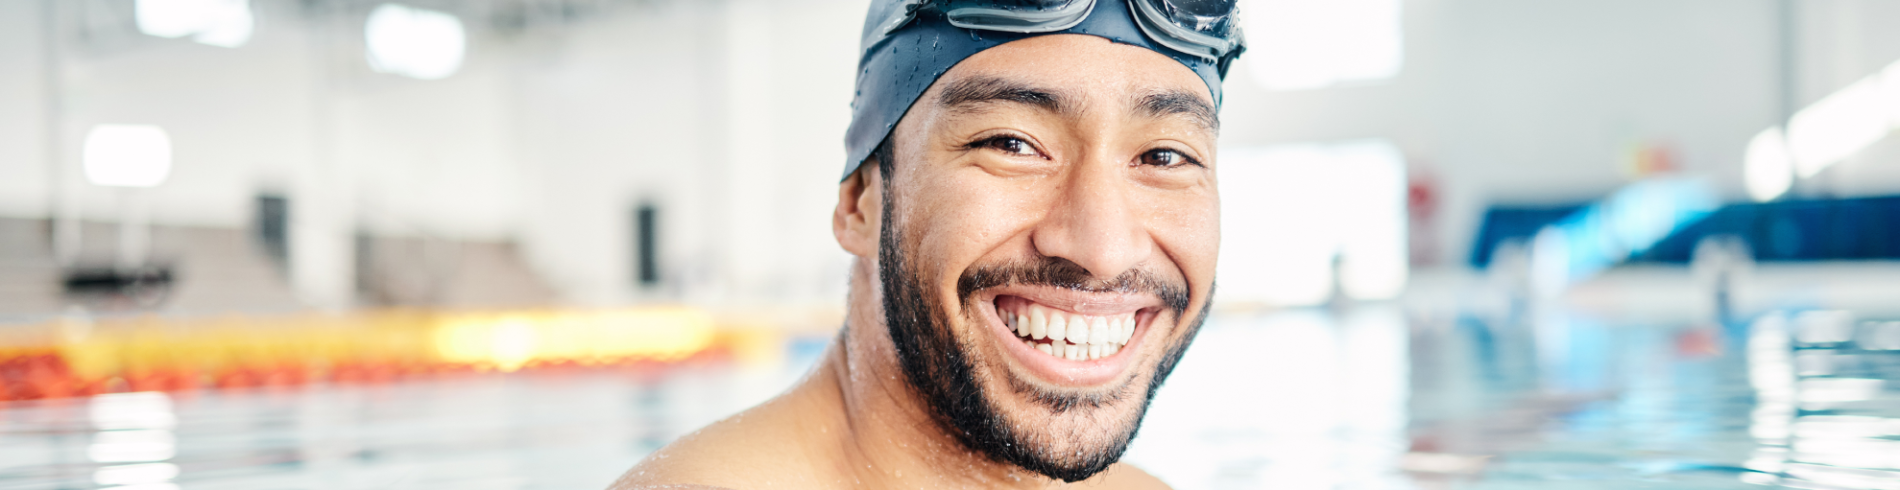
[{"x": 897, "y": 66}]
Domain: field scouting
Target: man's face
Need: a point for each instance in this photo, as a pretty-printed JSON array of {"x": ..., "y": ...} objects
[{"x": 1048, "y": 246}]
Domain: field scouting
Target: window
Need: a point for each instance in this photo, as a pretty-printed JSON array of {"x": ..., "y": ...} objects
[
  {"x": 1307, "y": 44},
  {"x": 127, "y": 155},
  {"x": 1302, "y": 222}
]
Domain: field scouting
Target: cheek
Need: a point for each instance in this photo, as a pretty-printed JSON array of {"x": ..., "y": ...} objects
[
  {"x": 961, "y": 222},
  {"x": 1189, "y": 231}
]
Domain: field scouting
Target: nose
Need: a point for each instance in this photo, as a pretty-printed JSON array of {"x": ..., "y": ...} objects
[{"x": 1095, "y": 223}]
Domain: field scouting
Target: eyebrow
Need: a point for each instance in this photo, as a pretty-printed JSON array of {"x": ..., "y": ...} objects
[
  {"x": 1178, "y": 102},
  {"x": 961, "y": 94}
]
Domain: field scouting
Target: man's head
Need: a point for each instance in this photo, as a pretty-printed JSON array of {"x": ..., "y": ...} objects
[{"x": 1052, "y": 180}]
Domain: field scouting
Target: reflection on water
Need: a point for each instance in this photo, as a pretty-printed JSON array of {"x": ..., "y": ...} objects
[
  {"x": 520, "y": 430},
  {"x": 1371, "y": 399},
  {"x": 1359, "y": 398},
  {"x": 134, "y": 441},
  {"x": 1297, "y": 400},
  {"x": 1823, "y": 414}
]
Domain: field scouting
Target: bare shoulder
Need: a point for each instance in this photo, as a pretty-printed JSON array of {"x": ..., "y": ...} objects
[
  {"x": 1124, "y": 476},
  {"x": 779, "y": 442}
]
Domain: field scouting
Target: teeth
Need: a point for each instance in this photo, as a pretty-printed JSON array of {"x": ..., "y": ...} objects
[{"x": 1073, "y": 337}]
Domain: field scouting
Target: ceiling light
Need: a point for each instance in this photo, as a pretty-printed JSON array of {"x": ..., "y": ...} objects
[
  {"x": 413, "y": 42},
  {"x": 222, "y": 23}
]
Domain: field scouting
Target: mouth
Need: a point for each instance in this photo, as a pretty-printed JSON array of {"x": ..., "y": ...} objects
[
  {"x": 1068, "y": 335},
  {"x": 1082, "y": 343}
]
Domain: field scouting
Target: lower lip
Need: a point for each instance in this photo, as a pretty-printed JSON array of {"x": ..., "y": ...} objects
[{"x": 1064, "y": 372}]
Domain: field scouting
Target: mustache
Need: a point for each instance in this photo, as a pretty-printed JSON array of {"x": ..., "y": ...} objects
[{"x": 1062, "y": 273}]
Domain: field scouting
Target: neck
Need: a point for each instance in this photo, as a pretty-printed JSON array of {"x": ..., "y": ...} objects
[{"x": 889, "y": 437}]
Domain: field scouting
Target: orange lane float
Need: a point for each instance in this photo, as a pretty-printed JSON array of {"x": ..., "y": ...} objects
[{"x": 79, "y": 358}]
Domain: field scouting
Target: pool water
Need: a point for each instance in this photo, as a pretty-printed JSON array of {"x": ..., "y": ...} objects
[{"x": 1353, "y": 398}]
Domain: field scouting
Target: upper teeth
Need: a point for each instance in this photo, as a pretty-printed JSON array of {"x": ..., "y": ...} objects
[{"x": 1071, "y": 336}]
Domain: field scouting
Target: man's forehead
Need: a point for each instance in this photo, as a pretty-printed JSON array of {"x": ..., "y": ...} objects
[{"x": 980, "y": 92}]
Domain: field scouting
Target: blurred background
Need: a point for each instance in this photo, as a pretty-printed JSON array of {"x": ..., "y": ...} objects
[{"x": 523, "y": 243}]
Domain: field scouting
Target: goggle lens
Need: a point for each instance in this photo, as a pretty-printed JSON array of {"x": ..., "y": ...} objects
[
  {"x": 1017, "y": 15},
  {"x": 1211, "y": 17},
  {"x": 1201, "y": 8},
  {"x": 1204, "y": 28},
  {"x": 1033, "y": 4}
]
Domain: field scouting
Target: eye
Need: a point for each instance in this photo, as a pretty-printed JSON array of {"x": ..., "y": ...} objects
[
  {"x": 1166, "y": 158},
  {"x": 1011, "y": 145}
]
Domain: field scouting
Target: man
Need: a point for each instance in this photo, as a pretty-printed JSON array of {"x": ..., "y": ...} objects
[{"x": 1030, "y": 195}]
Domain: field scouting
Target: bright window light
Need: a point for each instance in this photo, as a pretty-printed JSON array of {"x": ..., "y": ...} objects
[
  {"x": 127, "y": 155},
  {"x": 1837, "y": 126},
  {"x": 1767, "y": 170},
  {"x": 1825, "y": 133},
  {"x": 1295, "y": 217},
  {"x": 1306, "y": 44},
  {"x": 1890, "y": 94},
  {"x": 222, "y": 23},
  {"x": 413, "y": 42}
]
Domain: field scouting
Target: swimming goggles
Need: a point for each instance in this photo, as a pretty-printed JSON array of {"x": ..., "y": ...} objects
[{"x": 1205, "y": 29}]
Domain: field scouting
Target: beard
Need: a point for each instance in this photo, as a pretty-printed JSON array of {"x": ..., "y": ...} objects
[{"x": 939, "y": 367}]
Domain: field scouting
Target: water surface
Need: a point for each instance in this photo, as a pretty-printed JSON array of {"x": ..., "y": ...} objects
[{"x": 1360, "y": 398}]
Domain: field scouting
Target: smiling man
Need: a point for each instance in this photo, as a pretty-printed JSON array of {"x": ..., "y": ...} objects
[{"x": 1030, "y": 194}]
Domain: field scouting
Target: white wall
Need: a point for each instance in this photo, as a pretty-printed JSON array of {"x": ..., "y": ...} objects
[
  {"x": 236, "y": 116},
  {"x": 729, "y": 117},
  {"x": 292, "y": 112},
  {"x": 25, "y": 175}
]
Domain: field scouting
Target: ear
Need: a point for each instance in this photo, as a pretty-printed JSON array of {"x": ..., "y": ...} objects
[{"x": 859, "y": 214}]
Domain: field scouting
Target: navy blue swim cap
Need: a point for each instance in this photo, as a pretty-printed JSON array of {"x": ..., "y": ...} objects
[{"x": 897, "y": 67}]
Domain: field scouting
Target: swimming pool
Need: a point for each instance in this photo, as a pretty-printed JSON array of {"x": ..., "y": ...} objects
[{"x": 1351, "y": 398}]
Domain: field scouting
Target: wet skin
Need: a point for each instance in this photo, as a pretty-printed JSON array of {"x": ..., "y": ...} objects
[{"x": 1097, "y": 154}]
